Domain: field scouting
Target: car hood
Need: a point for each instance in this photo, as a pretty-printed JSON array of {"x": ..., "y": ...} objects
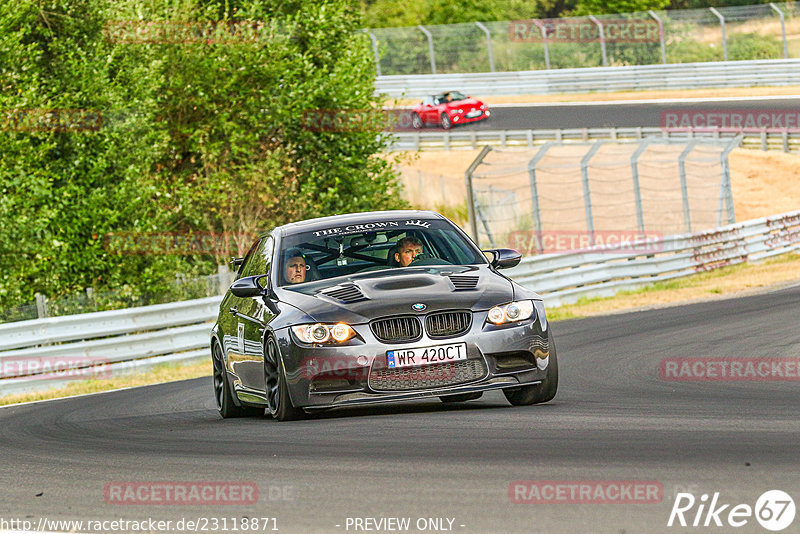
[
  {"x": 467, "y": 103},
  {"x": 361, "y": 298}
]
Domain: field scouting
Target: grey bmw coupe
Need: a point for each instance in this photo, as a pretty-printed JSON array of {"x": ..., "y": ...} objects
[{"x": 372, "y": 308}]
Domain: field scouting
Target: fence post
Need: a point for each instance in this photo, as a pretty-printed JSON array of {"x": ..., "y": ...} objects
[
  {"x": 41, "y": 306},
  {"x": 488, "y": 44},
  {"x": 725, "y": 186},
  {"x": 473, "y": 222},
  {"x": 543, "y": 29},
  {"x": 375, "y": 51},
  {"x": 430, "y": 47},
  {"x": 223, "y": 278},
  {"x": 587, "y": 196},
  {"x": 660, "y": 35},
  {"x": 724, "y": 37},
  {"x": 783, "y": 29},
  {"x": 637, "y": 194},
  {"x": 687, "y": 219},
  {"x": 602, "y": 38},
  {"x": 537, "y": 218}
]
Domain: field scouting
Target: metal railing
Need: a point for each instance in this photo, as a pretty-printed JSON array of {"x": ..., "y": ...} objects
[
  {"x": 45, "y": 353},
  {"x": 603, "y": 271},
  {"x": 786, "y": 140},
  {"x": 761, "y": 31},
  {"x": 597, "y": 79}
]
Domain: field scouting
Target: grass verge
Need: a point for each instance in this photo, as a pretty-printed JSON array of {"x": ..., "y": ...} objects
[{"x": 157, "y": 375}]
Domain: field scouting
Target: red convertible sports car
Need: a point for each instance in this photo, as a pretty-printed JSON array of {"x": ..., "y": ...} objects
[{"x": 448, "y": 109}]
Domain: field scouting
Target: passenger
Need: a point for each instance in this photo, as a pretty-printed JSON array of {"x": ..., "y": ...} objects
[
  {"x": 408, "y": 248},
  {"x": 295, "y": 266}
]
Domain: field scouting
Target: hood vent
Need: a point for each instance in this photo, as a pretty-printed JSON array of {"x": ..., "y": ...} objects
[
  {"x": 462, "y": 282},
  {"x": 346, "y": 293}
]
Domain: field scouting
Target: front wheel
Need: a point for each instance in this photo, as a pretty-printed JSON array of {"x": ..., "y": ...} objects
[
  {"x": 416, "y": 121},
  {"x": 537, "y": 393},
  {"x": 446, "y": 122},
  {"x": 279, "y": 404},
  {"x": 222, "y": 391}
]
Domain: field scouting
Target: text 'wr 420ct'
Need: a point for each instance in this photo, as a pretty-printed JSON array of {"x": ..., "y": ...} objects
[{"x": 373, "y": 308}]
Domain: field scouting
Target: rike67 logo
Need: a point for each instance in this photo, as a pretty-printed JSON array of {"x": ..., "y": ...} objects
[{"x": 774, "y": 510}]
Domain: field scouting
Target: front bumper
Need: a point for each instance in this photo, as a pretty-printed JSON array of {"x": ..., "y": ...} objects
[
  {"x": 462, "y": 118},
  {"x": 497, "y": 357}
]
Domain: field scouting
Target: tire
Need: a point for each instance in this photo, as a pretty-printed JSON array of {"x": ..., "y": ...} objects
[
  {"x": 416, "y": 121},
  {"x": 223, "y": 395},
  {"x": 537, "y": 393},
  {"x": 279, "y": 404},
  {"x": 446, "y": 122},
  {"x": 461, "y": 397}
]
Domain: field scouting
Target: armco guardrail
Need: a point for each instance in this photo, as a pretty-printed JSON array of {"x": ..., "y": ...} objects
[
  {"x": 786, "y": 140},
  {"x": 565, "y": 278},
  {"x": 113, "y": 341},
  {"x": 597, "y": 79},
  {"x": 140, "y": 338}
]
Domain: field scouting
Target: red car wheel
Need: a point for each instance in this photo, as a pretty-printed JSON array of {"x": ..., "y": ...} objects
[{"x": 446, "y": 122}]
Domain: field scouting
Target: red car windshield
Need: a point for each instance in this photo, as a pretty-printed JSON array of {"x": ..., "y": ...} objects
[{"x": 455, "y": 95}]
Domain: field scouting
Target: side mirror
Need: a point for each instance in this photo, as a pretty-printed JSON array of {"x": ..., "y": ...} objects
[
  {"x": 249, "y": 286},
  {"x": 504, "y": 258}
]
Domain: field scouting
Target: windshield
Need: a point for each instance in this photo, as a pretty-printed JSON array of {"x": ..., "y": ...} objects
[{"x": 376, "y": 246}]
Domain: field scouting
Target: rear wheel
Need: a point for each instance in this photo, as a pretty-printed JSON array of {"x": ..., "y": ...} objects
[
  {"x": 416, "y": 121},
  {"x": 222, "y": 391},
  {"x": 537, "y": 393},
  {"x": 461, "y": 397},
  {"x": 446, "y": 122},
  {"x": 279, "y": 404}
]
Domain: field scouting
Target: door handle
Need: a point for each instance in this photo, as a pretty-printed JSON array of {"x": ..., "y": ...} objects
[{"x": 234, "y": 311}]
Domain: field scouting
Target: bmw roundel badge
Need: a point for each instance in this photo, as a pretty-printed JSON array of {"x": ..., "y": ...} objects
[{"x": 418, "y": 306}]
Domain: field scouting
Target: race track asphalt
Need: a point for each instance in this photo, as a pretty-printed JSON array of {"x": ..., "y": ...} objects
[
  {"x": 614, "y": 419},
  {"x": 602, "y": 115}
]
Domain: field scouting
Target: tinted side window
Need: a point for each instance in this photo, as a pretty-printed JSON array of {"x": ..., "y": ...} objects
[{"x": 259, "y": 261}]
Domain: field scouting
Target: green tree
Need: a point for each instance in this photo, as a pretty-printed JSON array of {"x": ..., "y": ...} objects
[
  {"x": 203, "y": 134},
  {"x": 601, "y": 7}
]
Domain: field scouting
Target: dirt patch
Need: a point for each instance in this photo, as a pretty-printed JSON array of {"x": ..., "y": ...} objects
[{"x": 764, "y": 183}]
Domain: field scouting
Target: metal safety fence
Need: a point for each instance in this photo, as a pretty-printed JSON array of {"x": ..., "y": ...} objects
[
  {"x": 605, "y": 270},
  {"x": 597, "y": 190},
  {"x": 786, "y": 140},
  {"x": 47, "y": 353},
  {"x": 750, "y": 73},
  {"x": 762, "y": 31},
  {"x": 52, "y": 352}
]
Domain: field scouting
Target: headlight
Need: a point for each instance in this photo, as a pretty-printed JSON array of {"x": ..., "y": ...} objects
[
  {"x": 323, "y": 333},
  {"x": 511, "y": 312}
]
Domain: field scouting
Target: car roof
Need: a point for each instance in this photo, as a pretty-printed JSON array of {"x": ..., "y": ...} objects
[{"x": 320, "y": 223}]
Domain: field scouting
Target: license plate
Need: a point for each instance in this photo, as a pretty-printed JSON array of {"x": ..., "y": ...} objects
[
  {"x": 473, "y": 113},
  {"x": 426, "y": 355}
]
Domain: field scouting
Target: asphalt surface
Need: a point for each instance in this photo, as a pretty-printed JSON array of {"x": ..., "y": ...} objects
[
  {"x": 614, "y": 418},
  {"x": 600, "y": 115}
]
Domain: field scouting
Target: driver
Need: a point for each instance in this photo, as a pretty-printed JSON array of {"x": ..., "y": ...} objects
[
  {"x": 408, "y": 248},
  {"x": 295, "y": 266}
]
